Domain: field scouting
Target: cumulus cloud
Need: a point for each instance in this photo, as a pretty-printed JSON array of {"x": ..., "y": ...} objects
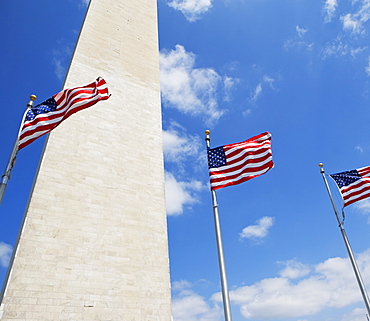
[
  {"x": 187, "y": 305},
  {"x": 192, "y": 9},
  {"x": 191, "y": 90},
  {"x": 299, "y": 291},
  {"x": 259, "y": 230},
  {"x": 294, "y": 269},
  {"x": 330, "y": 284},
  {"x": 180, "y": 194},
  {"x": 5, "y": 254},
  {"x": 363, "y": 207},
  {"x": 182, "y": 154},
  {"x": 355, "y": 315},
  {"x": 329, "y": 9},
  {"x": 178, "y": 145}
]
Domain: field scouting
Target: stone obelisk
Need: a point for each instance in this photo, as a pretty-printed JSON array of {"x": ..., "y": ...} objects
[{"x": 93, "y": 244}]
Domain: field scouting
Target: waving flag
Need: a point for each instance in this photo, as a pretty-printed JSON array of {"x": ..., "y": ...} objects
[
  {"x": 354, "y": 185},
  {"x": 44, "y": 117},
  {"x": 236, "y": 163}
]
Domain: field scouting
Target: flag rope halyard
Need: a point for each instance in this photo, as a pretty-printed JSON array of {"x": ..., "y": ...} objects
[
  {"x": 221, "y": 260},
  {"x": 6, "y": 176},
  {"x": 348, "y": 246}
]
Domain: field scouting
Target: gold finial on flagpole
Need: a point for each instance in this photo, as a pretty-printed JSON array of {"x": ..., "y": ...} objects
[
  {"x": 207, "y": 138},
  {"x": 32, "y": 99},
  {"x": 321, "y": 165}
]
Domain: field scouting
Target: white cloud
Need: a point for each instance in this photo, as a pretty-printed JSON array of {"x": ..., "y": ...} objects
[
  {"x": 298, "y": 42},
  {"x": 229, "y": 84},
  {"x": 294, "y": 269},
  {"x": 247, "y": 112},
  {"x": 301, "y": 31},
  {"x": 258, "y": 231},
  {"x": 59, "y": 68},
  {"x": 82, "y": 4},
  {"x": 339, "y": 47},
  {"x": 257, "y": 92},
  {"x": 178, "y": 146},
  {"x": 60, "y": 60},
  {"x": 298, "y": 292},
  {"x": 188, "y": 89},
  {"x": 293, "y": 43},
  {"x": 180, "y": 194},
  {"x": 180, "y": 285},
  {"x": 363, "y": 207},
  {"x": 359, "y": 148},
  {"x": 329, "y": 9},
  {"x": 190, "y": 306},
  {"x": 181, "y": 149},
  {"x": 5, "y": 254},
  {"x": 354, "y": 22},
  {"x": 330, "y": 284},
  {"x": 355, "y": 315},
  {"x": 191, "y": 9},
  {"x": 367, "y": 68}
]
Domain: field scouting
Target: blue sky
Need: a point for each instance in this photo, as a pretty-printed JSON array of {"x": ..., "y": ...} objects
[{"x": 299, "y": 69}]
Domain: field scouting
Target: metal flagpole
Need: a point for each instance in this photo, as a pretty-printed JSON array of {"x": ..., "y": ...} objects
[
  {"x": 221, "y": 260},
  {"x": 349, "y": 250},
  {"x": 6, "y": 176}
]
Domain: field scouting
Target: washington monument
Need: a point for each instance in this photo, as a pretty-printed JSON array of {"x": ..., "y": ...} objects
[{"x": 93, "y": 245}]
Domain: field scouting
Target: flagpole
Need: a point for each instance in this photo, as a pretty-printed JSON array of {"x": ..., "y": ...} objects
[
  {"x": 349, "y": 250},
  {"x": 6, "y": 176},
  {"x": 221, "y": 260}
]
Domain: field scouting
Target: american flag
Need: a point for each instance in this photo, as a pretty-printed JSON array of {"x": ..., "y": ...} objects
[
  {"x": 44, "y": 117},
  {"x": 236, "y": 163},
  {"x": 354, "y": 185}
]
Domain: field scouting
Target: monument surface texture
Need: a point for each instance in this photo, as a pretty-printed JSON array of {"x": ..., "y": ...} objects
[{"x": 94, "y": 242}]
